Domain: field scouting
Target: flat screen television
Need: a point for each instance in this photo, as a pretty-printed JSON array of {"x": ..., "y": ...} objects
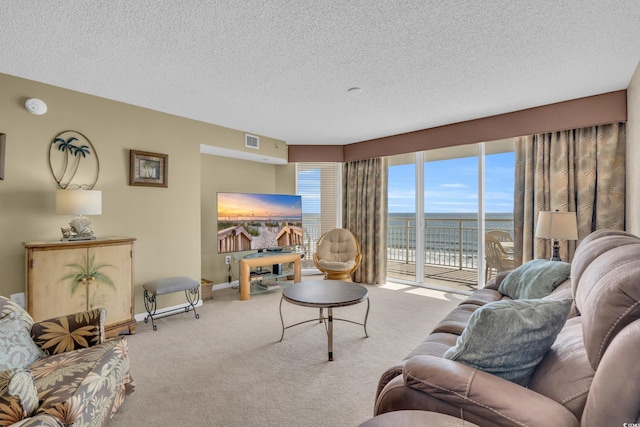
[{"x": 249, "y": 221}]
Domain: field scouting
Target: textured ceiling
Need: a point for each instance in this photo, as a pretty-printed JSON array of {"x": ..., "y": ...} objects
[{"x": 281, "y": 68}]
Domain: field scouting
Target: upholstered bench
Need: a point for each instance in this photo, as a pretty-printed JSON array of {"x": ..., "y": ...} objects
[{"x": 191, "y": 288}]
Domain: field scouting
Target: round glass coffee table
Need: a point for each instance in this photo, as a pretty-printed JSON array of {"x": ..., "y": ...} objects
[{"x": 327, "y": 294}]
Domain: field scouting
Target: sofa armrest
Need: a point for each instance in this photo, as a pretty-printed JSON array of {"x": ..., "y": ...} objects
[
  {"x": 494, "y": 283},
  {"x": 387, "y": 376},
  {"x": 483, "y": 395},
  {"x": 71, "y": 332}
]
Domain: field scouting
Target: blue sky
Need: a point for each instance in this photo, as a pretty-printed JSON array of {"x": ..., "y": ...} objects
[{"x": 452, "y": 185}]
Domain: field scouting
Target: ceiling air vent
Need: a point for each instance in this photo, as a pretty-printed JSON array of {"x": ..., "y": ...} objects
[{"x": 251, "y": 141}]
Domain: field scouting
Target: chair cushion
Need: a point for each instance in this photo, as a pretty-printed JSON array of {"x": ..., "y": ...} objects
[
  {"x": 17, "y": 349},
  {"x": 509, "y": 338},
  {"x": 337, "y": 265},
  {"x": 337, "y": 245},
  {"x": 535, "y": 279},
  {"x": 170, "y": 285}
]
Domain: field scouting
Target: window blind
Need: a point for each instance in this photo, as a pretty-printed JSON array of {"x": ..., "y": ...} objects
[{"x": 319, "y": 185}]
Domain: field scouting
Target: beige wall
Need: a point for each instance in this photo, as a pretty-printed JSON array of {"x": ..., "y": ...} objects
[
  {"x": 633, "y": 154},
  {"x": 166, "y": 221}
]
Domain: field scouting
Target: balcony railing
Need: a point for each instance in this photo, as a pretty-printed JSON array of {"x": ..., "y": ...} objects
[
  {"x": 447, "y": 242},
  {"x": 451, "y": 243}
]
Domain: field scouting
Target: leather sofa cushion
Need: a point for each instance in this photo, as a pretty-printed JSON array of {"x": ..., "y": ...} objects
[
  {"x": 613, "y": 399},
  {"x": 435, "y": 345},
  {"x": 563, "y": 291},
  {"x": 592, "y": 246},
  {"x": 565, "y": 374},
  {"x": 608, "y": 296},
  {"x": 483, "y": 296},
  {"x": 456, "y": 320}
]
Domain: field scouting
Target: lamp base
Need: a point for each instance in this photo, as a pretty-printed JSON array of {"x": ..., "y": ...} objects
[
  {"x": 555, "y": 255},
  {"x": 74, "y": 238},
  {"x": 78, "y": 230}
]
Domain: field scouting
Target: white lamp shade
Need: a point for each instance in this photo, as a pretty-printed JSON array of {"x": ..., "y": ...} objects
[
  {"x": 79, "y": 202},
  {"x": 557, "y": 226}
]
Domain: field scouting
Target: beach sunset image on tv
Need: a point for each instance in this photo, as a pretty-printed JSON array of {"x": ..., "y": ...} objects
[{"x": 258, "y": 221}]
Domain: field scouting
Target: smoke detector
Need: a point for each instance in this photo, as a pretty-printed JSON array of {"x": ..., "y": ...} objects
[{"x": 35, "y": 106}]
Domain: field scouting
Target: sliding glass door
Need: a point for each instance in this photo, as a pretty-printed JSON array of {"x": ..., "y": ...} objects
[
  {"x": 458, "y": 194},
  {"x": 401, "y": 225},
  {"x": 451, "y": 215},
  {"x": 498, "y": 202}
]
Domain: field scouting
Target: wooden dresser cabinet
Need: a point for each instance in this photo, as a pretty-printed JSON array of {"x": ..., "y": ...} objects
[{"x": 67, "y": 277}]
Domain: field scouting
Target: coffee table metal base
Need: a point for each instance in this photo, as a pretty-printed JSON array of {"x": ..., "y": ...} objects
[{"x": 328, "y": 320}]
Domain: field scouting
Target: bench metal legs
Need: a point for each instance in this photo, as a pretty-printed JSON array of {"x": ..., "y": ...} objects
[{"x": 150, "y": 304}]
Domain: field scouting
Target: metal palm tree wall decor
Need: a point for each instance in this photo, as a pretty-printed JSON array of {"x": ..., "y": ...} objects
[{"x": 73, "y": 161}]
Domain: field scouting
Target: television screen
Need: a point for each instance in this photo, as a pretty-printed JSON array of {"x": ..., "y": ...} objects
[{"x": 258, "y": 221}]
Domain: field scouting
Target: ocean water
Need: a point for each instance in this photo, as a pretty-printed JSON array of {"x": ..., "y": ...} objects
[
  {"x": 440, "y": 228},
  {"x": 313, "y": 219},
  {"x": 449, "y": 238},
  {"x": 445, "y": 232}
]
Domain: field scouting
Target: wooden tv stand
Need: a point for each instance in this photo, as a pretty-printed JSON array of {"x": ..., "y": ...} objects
[{"x": 262, "y": 259}]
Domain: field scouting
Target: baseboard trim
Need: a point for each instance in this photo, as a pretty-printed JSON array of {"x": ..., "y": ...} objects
[
  {"x": 140, "y": 317},
  {"x": 225, "y": 285}
]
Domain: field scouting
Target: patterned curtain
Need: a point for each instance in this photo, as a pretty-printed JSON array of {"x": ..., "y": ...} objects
[
  {"x": 364, "y": 213},
  {"x": 579, "y": 170}
]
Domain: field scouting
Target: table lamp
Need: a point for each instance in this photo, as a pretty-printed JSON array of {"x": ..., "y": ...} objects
[
  {"x": 78, "y": 202},
  {"x": 557, "y": 226}
]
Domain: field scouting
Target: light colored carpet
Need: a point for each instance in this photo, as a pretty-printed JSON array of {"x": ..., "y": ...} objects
[{"x": 228, "y": 368}]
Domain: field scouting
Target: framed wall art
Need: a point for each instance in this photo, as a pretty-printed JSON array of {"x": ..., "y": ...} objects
[
  {"x": 148, "y": 169},
  {"x": 3, "y": 144}
]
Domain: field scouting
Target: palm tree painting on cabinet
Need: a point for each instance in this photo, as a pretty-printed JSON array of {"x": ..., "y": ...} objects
[{"x": 88, "y": 274}]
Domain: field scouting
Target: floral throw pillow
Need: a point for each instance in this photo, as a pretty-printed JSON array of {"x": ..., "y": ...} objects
[
  {"x": 68, "y": 333},
  {"x": 17, "y": 349}
]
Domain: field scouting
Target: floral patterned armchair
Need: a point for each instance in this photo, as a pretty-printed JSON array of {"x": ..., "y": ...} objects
[{"x": 61, "y": 371}]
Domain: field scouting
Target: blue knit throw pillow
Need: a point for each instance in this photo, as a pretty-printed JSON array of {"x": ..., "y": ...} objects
[{"x": 509, "y": 338}]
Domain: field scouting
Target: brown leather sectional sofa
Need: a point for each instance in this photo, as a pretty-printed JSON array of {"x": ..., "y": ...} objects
[{"x": 589, "y": 377}]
